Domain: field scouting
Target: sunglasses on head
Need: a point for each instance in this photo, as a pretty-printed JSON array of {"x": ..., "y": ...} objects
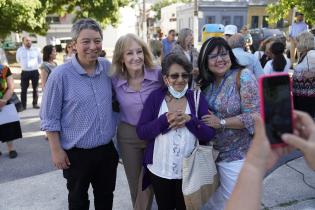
[{"x": 175, "y": 76}]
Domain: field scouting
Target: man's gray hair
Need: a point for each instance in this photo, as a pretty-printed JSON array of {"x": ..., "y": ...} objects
[
  {"x": 237, "y": 41},
  {"x": 85, "y": 23}
]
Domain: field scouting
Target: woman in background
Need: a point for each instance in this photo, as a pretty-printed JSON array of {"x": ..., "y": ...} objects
[{"x": 49, "y": 56}]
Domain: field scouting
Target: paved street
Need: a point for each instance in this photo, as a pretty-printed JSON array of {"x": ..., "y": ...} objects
[{"x": 30, "y": 182}]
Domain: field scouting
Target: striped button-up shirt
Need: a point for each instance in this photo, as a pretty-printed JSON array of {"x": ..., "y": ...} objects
[{"x": 78, "y": 105}]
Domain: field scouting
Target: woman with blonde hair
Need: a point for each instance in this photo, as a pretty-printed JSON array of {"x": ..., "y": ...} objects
[
  {"x": 134, "y": 77},
  {"x": 184, "y": 46}
]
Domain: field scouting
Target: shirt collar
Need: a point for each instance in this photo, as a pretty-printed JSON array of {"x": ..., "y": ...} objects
[
  {"x": 148, "y": 75},
  {"x": 80, "y": 70}
]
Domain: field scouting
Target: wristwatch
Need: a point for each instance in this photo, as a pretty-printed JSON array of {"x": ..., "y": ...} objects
[{"x": 222, "y": 123}]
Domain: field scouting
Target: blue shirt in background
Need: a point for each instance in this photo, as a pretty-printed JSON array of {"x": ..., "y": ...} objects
[{"x": 167, "y": 46}]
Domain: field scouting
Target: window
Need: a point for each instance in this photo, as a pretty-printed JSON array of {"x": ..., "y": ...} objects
[
  {"x": 226, "y": 20},
  {"x": 255, "y": 20},
  {"x": 211, "y": 19},
  {"x": 265, "y": 22},
  {"x": 52, "y": 20},
  {"x": 280, "y": 23},
  {"x": 238, "y": 21}
]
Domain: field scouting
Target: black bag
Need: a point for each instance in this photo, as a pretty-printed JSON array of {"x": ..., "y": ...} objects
[{"x": 16, "y": 101}]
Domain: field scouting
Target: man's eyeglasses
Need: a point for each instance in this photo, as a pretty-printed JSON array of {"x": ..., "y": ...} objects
[
  {"x": 214, "y": 57},
  {"x": 185, "y": 76}
]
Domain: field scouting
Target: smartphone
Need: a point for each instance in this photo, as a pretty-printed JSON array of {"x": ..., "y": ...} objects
[{"x": 276, "y": 106}]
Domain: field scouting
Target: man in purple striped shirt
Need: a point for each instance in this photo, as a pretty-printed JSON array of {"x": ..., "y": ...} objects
[{"x": 76, "y": 114}]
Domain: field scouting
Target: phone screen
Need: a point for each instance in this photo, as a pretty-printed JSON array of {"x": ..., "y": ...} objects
[{"x": 277, "y": 107}]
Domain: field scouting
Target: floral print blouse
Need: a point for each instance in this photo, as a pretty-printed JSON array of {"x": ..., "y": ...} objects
[{"x": 229, "y": 100}]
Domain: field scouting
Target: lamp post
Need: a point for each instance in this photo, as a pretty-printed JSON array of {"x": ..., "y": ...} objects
[{"x": 196, "y": 23}]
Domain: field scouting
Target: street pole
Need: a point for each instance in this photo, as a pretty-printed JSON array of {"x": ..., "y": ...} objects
[
  {"x": 144, "y": 24},
  {"x": 196, "y": 23}
]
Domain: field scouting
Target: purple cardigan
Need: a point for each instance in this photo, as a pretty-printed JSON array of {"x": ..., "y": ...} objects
[{"x": 150, "y": 125}]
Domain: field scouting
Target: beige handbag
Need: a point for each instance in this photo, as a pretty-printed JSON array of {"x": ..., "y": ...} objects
[{"x": 200, "y": 178}]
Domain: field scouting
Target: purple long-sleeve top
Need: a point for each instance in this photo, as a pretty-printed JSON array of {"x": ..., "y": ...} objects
[{"x": 151, "y": 124}]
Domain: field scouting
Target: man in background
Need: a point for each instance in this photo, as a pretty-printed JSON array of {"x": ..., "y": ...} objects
[{"x": 30, "y": 59}]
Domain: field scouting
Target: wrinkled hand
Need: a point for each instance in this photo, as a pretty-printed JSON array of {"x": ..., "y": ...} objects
[
  {"x": 60, "y": 159},
  {"x": 303, "y": 137},
  {"x": 211, "y": 120},
  {"x": 177, "y": 119}
]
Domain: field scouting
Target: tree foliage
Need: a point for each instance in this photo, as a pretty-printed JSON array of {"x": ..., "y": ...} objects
[
  {"x": 22, "y": 15},
  {"x": 281, "y": 9},
  {"x": 163, "y": 3},
  {"x": 104, "y": 11},
  {"x": 30, "y": 15}
]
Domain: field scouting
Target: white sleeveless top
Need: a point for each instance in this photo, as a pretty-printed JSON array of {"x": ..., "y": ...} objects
[{"x": 170, "y": 148}]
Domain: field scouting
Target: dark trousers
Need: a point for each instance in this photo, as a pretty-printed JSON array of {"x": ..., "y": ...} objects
[
  {"x": 26, "y": 76},
  {"x": 98, "y": 167},
  {"x": 168, "y": 193}
]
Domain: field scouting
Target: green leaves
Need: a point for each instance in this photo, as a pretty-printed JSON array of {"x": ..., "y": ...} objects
[
  {"x": 282, "y": 8},
  {"x": 30, "y": 15}
]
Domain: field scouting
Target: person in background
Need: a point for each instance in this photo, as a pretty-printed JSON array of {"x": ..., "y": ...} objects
[
  {"x": 169, "y": 125},
  {"x": 295, "y": 29},
  {"x": 237, "y": 43},
  {"x": 248, "y": 38},
  {"x": 168, "y": 43},
  {"x": 3, "y": 58},
  {"x": 263, "y": 54},
  {"x": 69, "y": 52},
  {"x": 8, "y": 131},
  {"x": 185, "y": 47},
  {"x": 233, "y": 101},
  {"x": 30, "y": 59},
  {"x": 49, "y": 56},
  {"x": 304, "y": 74},
  {"x": 134, "y": 78},
  {"x": 156, "y": 49},
  {"x": 229, "y": 30},
  {"x": 77, "y": 116},
  {"x": 260, "y": 157},
  {"x": 279, "y": 62}
]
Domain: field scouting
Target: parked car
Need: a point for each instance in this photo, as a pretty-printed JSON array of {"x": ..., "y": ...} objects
[{"x": 260, "y": 34}]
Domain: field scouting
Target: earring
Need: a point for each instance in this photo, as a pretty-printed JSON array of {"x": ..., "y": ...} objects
[{"x": 122, "y": 68}]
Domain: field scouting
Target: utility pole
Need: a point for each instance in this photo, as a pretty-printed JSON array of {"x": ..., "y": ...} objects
[
  {"x": 196, "y": 23},
  {"x": 144, "y": 24}
]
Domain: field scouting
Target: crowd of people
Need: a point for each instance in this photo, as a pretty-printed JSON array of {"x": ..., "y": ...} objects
[{"x": 159, "y": 122}]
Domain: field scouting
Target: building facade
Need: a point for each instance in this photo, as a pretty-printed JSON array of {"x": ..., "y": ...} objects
[{"x": 213, "y": 11}]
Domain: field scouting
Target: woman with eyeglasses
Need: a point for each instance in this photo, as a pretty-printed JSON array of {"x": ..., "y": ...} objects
[
  {"x": 231, "y": 93},
  {"x": 69, "y": 52},
  {"x": 169, "y": 125},
  {"x": 185, "y": 47}
]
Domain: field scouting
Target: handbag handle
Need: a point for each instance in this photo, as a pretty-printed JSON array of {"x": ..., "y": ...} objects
[{"x": 196, "y": 100}]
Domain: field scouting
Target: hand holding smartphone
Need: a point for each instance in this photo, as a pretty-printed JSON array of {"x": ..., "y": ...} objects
[{"x": 276, "y": 106}]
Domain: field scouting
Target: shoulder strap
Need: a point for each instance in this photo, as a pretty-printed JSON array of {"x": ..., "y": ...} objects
[
  {"x": 196, "y": 100},
  {"x": 238, "y": 79}
]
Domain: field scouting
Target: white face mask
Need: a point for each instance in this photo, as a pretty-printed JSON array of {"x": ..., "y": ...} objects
[{"x": 177, "y": 94}]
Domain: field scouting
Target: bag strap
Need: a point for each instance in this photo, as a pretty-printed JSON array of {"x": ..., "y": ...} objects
[
  {"x": 238, "y": 79},
  {"x": 197, "y": 99}
]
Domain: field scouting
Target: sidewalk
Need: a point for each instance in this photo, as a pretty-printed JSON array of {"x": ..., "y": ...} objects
[{"x": 284, "y": 189}]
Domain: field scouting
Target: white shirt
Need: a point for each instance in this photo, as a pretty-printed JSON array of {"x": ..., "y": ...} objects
[
  {"x": 28, "y": 58},
  {"x": 308, "y": 63},
  {"x": 268, "y": 69},
  {"x": 170, "y": 149},
  {"x": 3, "y": 58},
  {"x": 249, "y": 61}
]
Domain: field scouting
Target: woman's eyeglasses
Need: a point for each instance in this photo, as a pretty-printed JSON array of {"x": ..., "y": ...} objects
[
  {"x": 185, "y": 76},
  {"x": 214, "y": 57}
]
